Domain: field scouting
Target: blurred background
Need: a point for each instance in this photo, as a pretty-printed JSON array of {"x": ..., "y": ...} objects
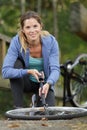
[{"x": 65, "y": 19}]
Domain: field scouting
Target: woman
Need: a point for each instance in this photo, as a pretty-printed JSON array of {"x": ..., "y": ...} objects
[{"x": 31, "y": 51}]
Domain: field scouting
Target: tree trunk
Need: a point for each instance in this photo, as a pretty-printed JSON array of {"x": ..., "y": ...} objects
[
  {"x": 39, "y": 6},
  {"x": 78, "y": 20},
  {"x": 22, "y": 6},
  {"x": 55, "y": 18}
]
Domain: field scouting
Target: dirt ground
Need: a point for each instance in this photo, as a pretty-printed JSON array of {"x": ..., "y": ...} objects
[{"x": 73, "y": 124}]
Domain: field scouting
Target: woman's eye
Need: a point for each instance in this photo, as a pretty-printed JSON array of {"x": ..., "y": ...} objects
[
  {"x": 35, "y": 26},
  {"x": 28, "y": 27}
]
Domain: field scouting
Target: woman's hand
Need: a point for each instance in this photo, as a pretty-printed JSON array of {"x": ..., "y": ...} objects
[
  {"x": 35, "y": 73},
  {"x": 44, "y": 90}
]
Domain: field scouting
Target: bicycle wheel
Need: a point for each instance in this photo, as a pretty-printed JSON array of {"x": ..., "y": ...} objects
[
  {"x": 77, "y": 88},
  {"x": 50, "y": 113}
]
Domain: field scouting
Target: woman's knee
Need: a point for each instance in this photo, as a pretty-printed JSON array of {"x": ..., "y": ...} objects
[{"x": 50, "y": 99}]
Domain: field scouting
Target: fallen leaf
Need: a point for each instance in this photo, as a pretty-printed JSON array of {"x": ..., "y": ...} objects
[
  {"x": 13, "y": 125},
  {"x": 43, "y": 124}
]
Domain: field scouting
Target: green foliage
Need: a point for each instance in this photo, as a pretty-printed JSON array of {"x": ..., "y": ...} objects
[
  {"x": 5, "y": 101},
  {"x": 70, "y": 44},
  {"x": 9, "y": 20}
]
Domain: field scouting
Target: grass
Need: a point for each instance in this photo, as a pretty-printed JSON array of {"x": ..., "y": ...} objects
[{"x": 5, "y": 101}]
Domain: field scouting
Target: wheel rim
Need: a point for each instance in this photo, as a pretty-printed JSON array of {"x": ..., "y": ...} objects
[{"x": 56, "y": 113}]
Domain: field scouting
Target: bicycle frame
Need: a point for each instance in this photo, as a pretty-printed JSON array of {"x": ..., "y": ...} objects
[{"x": 66, "y": 77}]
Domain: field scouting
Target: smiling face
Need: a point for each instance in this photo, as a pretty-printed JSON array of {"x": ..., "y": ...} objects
[{"x": 32, "y": 29}]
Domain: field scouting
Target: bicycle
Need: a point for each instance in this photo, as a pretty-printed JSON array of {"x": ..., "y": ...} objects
[
  {"x": 45, "y": 112},
  {"x": 75, "y": 81}
]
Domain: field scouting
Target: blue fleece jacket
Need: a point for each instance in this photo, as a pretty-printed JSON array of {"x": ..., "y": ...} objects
[{"x": 50, "y": 53}]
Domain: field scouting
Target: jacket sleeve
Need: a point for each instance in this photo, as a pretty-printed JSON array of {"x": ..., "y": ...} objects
[
  {"x": 8, "y": 70},
  {"x": 54, "y": 65}
]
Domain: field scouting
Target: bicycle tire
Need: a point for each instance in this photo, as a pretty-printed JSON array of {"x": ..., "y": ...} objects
[
  {"x": 59, "y": 113},
  {"x": 77, "y": 89}
]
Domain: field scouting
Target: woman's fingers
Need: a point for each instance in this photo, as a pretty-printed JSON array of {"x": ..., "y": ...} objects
[
  {"x": 35, "y": 73},
  {"x": 44, "y": 90}
]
